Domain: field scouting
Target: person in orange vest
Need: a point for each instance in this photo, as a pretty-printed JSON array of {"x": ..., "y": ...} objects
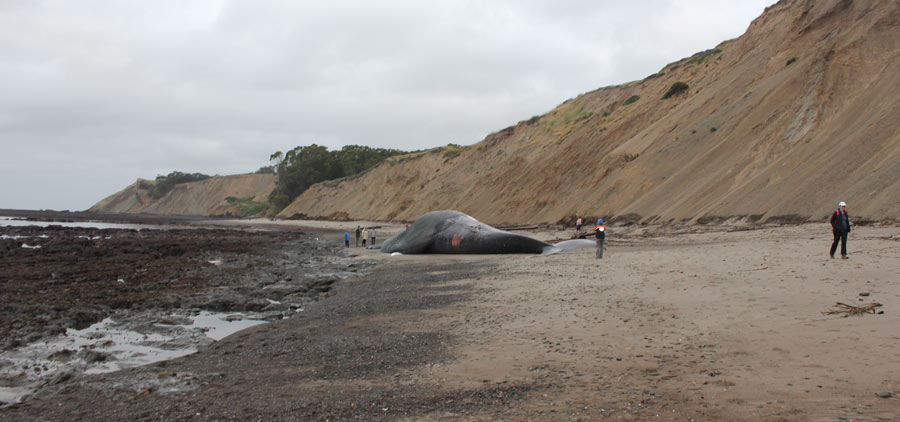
[
  {"x": 600, "y": 232},
  {"x": 840, "y": 225}
]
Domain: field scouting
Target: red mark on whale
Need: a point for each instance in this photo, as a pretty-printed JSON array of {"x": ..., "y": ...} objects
[{"x": 457, "y": 239}]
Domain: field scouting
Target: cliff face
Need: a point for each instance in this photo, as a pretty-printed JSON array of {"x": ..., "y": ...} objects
[
  {"x": 205, "y": 197},
  {"x": 795, "y": 115}
]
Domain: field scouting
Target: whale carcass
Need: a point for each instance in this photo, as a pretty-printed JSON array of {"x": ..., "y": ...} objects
[{"x": 453, "y": 232}]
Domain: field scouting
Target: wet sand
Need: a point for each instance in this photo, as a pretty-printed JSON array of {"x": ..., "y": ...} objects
[{"x": 698, "y": 323}]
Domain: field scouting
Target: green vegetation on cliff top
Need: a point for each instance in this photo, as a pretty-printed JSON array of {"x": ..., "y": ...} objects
[{"x": 304, "y": 166}]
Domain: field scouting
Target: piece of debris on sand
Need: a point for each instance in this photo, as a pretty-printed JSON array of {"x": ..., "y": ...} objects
[{"x": 847, "y": 310}]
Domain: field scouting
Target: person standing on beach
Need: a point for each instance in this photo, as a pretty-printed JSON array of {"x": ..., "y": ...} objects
[
  {"x": 578, "y": 225},
  {"x": 840, "y": 225},
  {"x": 365, "y": 234},
  {"x": 600, "y": 232},
  {"x": 358, "y": 231},
  {"x": 372, "y": 236},
  {"x": 346, "y": 239}
]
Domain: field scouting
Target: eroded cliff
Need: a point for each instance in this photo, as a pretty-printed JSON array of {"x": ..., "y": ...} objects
[
  {"x": 783, "y": 122},
  {"x": 219, "y": 195}
]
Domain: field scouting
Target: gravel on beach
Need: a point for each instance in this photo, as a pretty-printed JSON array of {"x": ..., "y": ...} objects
[{"x": 333, "y": 361}]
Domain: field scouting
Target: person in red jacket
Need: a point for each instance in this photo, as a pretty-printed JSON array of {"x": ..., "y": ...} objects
[
  {"x": 600, "y": 232},
  {"x": 840, "y": 225}
]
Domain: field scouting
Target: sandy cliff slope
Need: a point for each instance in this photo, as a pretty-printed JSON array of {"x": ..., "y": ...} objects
[
  {"x": 205, "y": 197},
  {"x": 797, "y": 114}
]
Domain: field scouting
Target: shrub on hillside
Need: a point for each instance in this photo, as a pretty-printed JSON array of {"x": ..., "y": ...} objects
[
  {"x": 703, "y": 55},
  {"x": 654, "y": 76},
  {"x": 452, "y": 150},
  {"x": 279, "y": 201},
  {"x": 632, "y": 99},
  {"x": 248, "y": 206},
  {"x": 164, "y": 184},
  {"x": 675, "y": 89}
]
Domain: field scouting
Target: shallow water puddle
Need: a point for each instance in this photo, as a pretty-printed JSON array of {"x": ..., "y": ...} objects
[
  {"x": 219, "y": 326},
  {"x": 111, "y": 345}
]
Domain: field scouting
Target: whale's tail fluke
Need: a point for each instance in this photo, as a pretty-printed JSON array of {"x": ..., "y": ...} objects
[{"x": 568, "y": 245}]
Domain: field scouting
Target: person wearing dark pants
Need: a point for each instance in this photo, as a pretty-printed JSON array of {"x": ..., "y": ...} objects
[
  {"x": 600, "y": 232},
  {"x": 840, "y": 225}
]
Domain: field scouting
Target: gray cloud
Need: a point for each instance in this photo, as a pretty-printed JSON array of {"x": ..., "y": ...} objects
[{"x": 97, "y": 94}]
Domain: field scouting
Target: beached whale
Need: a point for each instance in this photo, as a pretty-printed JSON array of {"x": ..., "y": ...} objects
[{"x": 453, "y": 232}]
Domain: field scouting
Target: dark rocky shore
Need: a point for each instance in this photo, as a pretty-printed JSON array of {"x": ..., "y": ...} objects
[
  {"x": 332, "y": 361},
  {"x": 327, "y": 364},
  {"x": 54, "y": 278}
]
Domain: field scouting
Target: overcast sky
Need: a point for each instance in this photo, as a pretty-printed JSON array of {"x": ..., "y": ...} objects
[{"x": 95, "y": 94}]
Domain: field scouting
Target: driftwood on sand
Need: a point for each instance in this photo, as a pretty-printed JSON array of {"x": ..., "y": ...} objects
[{"x": 847, "y": 310}]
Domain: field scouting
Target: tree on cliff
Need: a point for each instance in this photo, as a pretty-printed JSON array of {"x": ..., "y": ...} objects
[
  {"x": 304, "y": 166},
  {"x": 355, "y": 159}
]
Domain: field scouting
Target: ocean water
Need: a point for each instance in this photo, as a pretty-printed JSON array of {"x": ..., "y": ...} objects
[{"x": 21, "y": 222}]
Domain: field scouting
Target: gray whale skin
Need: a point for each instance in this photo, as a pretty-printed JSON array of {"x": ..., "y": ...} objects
[{"x": 453, "y": 232}]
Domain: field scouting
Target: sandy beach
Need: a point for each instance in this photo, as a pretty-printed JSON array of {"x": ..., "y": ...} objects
[
  {"x": 721, "y": 325},
  {"x": 725, "y": 326},
  {"x": 696, "y": 324}
]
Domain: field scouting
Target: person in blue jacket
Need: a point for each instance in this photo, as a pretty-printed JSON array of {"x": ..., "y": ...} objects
[{"x": 346, "y": 239}]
